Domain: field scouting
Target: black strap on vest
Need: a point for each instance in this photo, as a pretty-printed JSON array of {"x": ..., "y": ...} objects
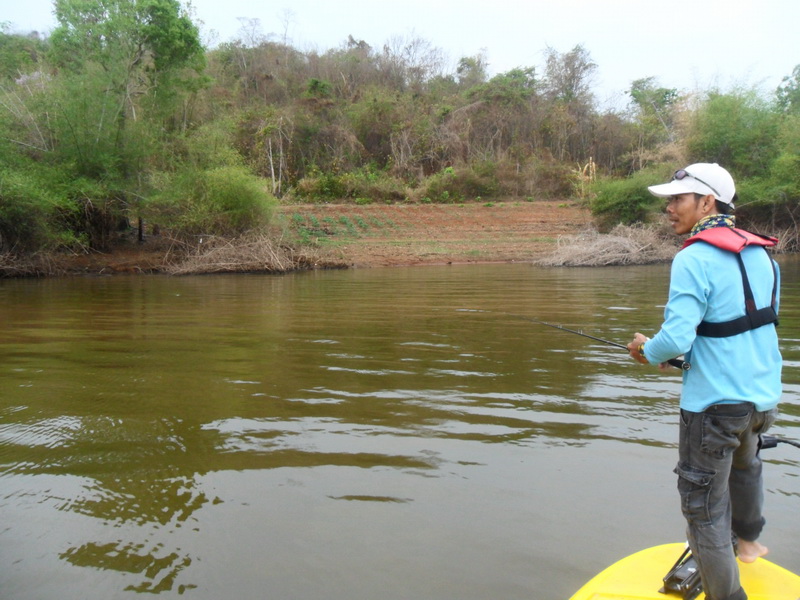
[{"x": 754, "y": 317}]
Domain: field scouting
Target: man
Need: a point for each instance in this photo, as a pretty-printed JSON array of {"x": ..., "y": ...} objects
[{"x": 721, "y": 313}]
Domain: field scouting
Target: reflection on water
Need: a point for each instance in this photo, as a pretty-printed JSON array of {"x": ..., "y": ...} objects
[{"x": 392, "y": 433}]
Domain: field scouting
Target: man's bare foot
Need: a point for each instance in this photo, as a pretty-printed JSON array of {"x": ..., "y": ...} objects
[{"x": 750, "y": 551}]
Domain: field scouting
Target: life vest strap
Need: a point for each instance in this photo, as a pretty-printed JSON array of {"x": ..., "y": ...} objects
[
  {"x": 753, "y": 317},
  {"x": 752, "y": 320}
]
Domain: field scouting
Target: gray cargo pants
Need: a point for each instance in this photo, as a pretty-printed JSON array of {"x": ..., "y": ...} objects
[{"x": 719, "y": 480}]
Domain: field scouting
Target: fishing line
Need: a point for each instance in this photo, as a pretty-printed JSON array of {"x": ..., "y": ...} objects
[
  {"x": 767, "y": 441},
  {"x": 675, "y": 362}
]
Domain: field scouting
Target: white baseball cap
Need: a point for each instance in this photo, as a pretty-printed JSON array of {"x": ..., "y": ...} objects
[{"x": 699, "y": 178}]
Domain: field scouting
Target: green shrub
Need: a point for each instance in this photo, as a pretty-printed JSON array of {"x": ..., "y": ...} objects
[
  {"x": 209, "y": 146},
  {"x": 738, "y": 130},
  {"x": 457, "y": 184},
  {"x": 374, "y": 185},
  {"x": 786, "y": 173},
  {"x": 626, "y": 201},
  {"x": 25, "y": 212},
  {"x": 35, "y": 215},
  {"x": 222, "y": 201},
  {"x": 321, "y": 187},
  {"x": 363, "y": 185},
  {"x": 771, "y": 203}
]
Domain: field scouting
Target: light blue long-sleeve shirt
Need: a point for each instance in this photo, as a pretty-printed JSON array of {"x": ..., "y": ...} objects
[{"x": 706, "y": 285}]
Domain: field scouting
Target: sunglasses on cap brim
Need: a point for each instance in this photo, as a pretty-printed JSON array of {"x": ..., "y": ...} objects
[{"x": 683, "y": 174}]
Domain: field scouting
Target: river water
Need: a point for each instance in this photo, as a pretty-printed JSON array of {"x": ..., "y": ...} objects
[{"x": 344, "y": 435}]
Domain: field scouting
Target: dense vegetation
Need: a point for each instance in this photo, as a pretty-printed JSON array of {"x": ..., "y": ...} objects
[{"x": 121, "y": 117}]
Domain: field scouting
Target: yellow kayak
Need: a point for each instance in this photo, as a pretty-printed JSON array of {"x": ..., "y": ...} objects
[{"x": 640, "y": 577}]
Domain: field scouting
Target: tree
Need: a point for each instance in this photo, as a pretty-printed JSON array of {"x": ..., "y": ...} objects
[
  {"x": 653, "y": 109},
  {"x": 515, "y": 87},
  {"x": 135, "y": 53},
  {"x": 567, "y": 86},
  {"x": 736, "y": 129},
  {"x": 408, "y": 63},
  {"x": 788, "y": 93},
  {"x": 568, "y": 76},
  {"x": 471, "y": 71},
  {"x": 124, "y": 69},
  {"x": 654, "y": 102}
]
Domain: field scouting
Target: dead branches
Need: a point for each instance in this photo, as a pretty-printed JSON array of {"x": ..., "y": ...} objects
[
  {"x": 624, "y": 245},
  {"x": 254, "y": 253}
]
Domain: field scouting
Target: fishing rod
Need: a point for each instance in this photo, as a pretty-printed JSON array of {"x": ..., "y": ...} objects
[{"x": 675, "y": 362}]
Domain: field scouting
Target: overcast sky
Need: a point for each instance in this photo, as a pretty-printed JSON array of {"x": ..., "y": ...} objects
[{"x": 686, "y": 44}]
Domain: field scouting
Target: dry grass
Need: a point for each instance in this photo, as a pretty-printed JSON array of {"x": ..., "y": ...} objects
[
  {"x": 624, "y": 245},
  {"x": 788, "y": 240},
  {"x": 36, "y": 265},
  {"x": 249, "y": 254}
]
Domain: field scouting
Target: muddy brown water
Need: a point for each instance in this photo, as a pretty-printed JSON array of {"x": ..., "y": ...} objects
[{"x": 380, "y": 433}]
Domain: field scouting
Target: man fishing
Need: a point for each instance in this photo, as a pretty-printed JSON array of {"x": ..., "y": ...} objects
[{"x": 721, "y": 313}]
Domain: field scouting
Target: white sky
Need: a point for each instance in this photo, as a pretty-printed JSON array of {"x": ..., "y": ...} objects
[{"x": 686, "y": 44}]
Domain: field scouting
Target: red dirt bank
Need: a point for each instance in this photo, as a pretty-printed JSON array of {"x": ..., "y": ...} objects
[
  {"x": 414, "y": 234},
  {"x": 380, "y": 235}
]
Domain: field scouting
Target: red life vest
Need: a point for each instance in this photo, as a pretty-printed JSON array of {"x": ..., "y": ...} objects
[
  {"x": 735, "y": 240},
  {"x": 731, "y": 239}
]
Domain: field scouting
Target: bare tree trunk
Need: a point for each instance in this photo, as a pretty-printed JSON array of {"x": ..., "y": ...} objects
[{"x": 271, "y": 165}]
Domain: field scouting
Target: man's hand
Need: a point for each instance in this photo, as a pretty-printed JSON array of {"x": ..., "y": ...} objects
[{"x": 633, "y": 347}]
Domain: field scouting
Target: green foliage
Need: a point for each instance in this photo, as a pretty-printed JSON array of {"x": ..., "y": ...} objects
[
  {"x": 541, "y": 177},
  {"x": 89, "y": 129},
  {"x": 172, "y": 38},
  {"x": 208, "y": 146},
  {"x": 317, "y": 88},
  {"x": 48, "y": 208},
  {"x": 456, "y": 184},
  {"x": 95, "y": 122},
  {"x": 788, "y": 93},
  {"x": 378, "y": 116},
  {"x": 321, "y": 187},
  {"x": 363, "y": 185},
  {"x": 19, "y": 54},
  {"x": 219, "y": 201},
  {"x": 517, "y": 86},
  {"x": 152, "y": 37},
  {"x": 785, "y": 169},
  {"x": 471, "y": 71},
  {"x": 654, "y": 109},
  {"x": 649, "y": 98},
  {"x": 27, "y": 210},
  {"x": 568, "y": 76},
  {"x": 776, "y": 196},
  {"x": 626, "y": 201},
  {"x": 122, "y": 65}
]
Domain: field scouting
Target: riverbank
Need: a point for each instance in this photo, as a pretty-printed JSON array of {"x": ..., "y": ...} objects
[
  {"x": 416, "y": 234},
  {"x": 373, "y": 235}
]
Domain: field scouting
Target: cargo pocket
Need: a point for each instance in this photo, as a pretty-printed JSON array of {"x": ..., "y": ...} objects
[{"x": 694, "y": 486}]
